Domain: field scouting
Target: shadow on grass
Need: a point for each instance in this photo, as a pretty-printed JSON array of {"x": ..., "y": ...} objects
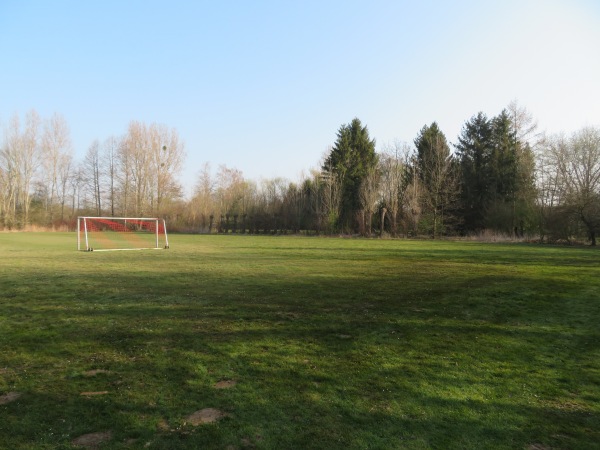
[
  {"x": 279, "y": 413},
  {"x": 329, "y": 361}
]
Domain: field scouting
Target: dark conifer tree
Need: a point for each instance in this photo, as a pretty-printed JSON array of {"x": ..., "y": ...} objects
[
  {"x": 474, "y": 149},
  {"x": 496, "y": 175},
  {"x": 432, "y": 150},
  {"x": 351, "y": 159},
  {"x": 502, "y": 162},
  {"x": 435, "y": 171}
]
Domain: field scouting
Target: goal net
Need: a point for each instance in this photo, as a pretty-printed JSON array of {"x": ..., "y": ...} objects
[{"x": 121, "y": 233}]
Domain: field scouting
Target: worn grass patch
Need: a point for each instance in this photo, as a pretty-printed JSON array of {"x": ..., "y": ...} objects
[{"x": 299, "y": 343}]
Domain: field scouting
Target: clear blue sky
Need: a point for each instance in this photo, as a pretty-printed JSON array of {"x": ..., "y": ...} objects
[{"x": 263, "y": 86}]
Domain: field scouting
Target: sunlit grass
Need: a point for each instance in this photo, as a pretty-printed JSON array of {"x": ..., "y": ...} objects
[{"x": 333, "y": 343}]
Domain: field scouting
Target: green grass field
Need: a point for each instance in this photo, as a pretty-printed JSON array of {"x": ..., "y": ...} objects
[{"x": 331, "y": 343}]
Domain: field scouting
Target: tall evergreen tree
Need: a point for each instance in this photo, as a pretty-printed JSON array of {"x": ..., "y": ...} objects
[
  {"x": 432, "y": 150},
  {"x": 526, "y": 195},
  {"x": 434, "y": 168},
  {"x": 474, "y": 148},
  {"x": 501, "y": 169},
  {"x": 502, "y": 161},
  {"x": 351, "y": 159},
  {"x": 496, "y": 174}
]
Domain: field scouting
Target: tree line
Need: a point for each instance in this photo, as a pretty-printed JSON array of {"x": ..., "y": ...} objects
[
  {"x": 42, "y": 184},
  {"x": 500, "y": 175}
]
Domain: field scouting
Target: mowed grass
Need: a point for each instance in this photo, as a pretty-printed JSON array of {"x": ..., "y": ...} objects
[{"x": 333, "y": 343}]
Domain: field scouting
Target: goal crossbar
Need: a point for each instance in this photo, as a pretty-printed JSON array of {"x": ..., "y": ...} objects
[{"x": 97, "y": 233}]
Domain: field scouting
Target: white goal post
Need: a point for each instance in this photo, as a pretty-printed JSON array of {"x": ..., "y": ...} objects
[{"x": 121, "y": 233}]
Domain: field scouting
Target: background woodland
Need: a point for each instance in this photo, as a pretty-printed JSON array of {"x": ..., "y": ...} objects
[{"x": 501, "y": 176}]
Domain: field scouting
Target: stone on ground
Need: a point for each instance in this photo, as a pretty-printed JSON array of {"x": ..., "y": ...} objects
[
  {"x": 206, "y": 415},
  {"x": 225, "y": 384},
  {"x": 92, "y": 440},
  {"x": 9, "y": 397}
]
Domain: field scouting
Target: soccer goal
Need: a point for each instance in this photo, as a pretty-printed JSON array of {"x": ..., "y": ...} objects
[{"x": 121, "y": 233}]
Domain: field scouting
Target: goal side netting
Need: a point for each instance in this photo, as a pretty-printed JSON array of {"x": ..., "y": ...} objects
[{"x": 121, "y": 233}]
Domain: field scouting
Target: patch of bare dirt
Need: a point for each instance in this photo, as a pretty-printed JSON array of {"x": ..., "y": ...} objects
[
  {"x": 248, "y": 442},
  {"x": 93, "y": 394},
  {"x": 225, "y": 384},
  {"x": 203, "y": 416},
  {"x": 9, "y": 397},
  {"x": 92, "y": 440},
  {"x": 162, "y": 425},
  {"x": 94, "y": 372},
  {"x": 538, "y": 447}
]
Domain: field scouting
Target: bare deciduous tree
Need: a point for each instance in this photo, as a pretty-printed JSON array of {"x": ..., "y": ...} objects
[
  {"x": 393, "y": 166},
  {"x": 167, "y": 156},
  {"x": 9, "y": 175},
  {"x": 524, "y": 125},
  {"x": 413, "y": 200},
  {"x": 20, "y": 160},
  {"x": 577, "y": 165},
  {"x": 150, "y": 158},
  {"x": 65, "y": 165},
  {"x": 92, "y": 175},
  {"x": 369, "y": 198},
  {"x": 110, "y": 164},
  {"x": 330, "y": 188},
  {"x": 230, "y": 190},
  {"x": 57, "y": 157},
  {"x": 201, "y": 205}
]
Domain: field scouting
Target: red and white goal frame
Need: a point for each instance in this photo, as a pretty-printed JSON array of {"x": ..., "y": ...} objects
[{"x": 121, "y": 233}]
